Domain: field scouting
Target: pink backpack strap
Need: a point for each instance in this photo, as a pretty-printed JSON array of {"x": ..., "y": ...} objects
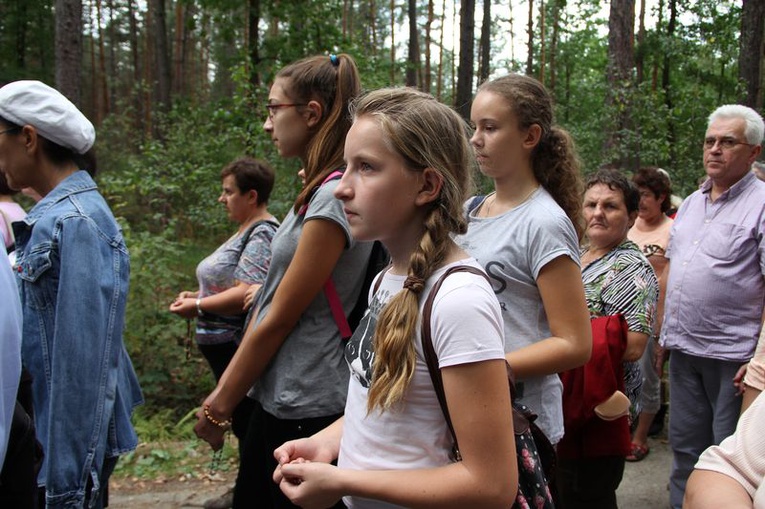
[{"x": 330, "y": 291}]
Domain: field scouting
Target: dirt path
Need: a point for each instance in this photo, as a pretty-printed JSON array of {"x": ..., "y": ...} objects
[{"x": 644, "y": 486}]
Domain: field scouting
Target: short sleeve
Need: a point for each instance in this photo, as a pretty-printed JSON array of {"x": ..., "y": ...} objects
[
  {"x": 554, "y": 237},
  {"x": 631, "y": 289},
  {"x": 324, "y": 205},
  {"x": 256, "y": 255},
  {"x": 466, "y": 322}
]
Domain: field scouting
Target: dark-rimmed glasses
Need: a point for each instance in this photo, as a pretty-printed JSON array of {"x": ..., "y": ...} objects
[
  {"x": 10, "y": 130},
  {"x": 272, "y": 107},
  {"x": 725, "y": 142}
]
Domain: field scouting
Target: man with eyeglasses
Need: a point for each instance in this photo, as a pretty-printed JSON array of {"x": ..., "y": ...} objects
[{"x": 715, "y": 290}]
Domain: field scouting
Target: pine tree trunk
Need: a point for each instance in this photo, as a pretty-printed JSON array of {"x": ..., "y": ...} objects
[
  {"x": 161, "y": 54},
  {"x": 666, "y": 86},
  {"x": 621, "y": 23},
  {"x": 554, "y": 43},
  {"x": 413, "y": 57},
  {"x": 640, "y": 56},
  {"x": 136, "y": 59},
  {"x": 68, "y": 50},
  {"x": 253, "y": 42},
  {"x": 439, "y": 80},
  {"x": 426, "y": 79},
  {"x": 465, "y": 73},
  {"x": 530, "y": 45},
  {"x": 392, "y": 42},
  {"x": 542, "y": 43},
  {"x": 485, "y": 61},
  {"x": 102, "y": 66},
  {"x": 752, "y": 51}
]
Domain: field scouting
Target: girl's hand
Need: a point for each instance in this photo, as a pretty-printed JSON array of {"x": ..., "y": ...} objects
[
  {"x": 302, "y": 449},
  {"x": 206, "y": 430},
  {"x": 185, "y": 307},
  {"x": 249, "y": 296},
  {"x": 311, "y": 485}
]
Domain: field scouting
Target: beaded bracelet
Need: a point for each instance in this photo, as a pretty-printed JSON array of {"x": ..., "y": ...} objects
[{"x": 221, "y": 424}]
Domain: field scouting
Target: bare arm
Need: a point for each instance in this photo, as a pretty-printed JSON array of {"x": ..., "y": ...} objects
[
  {"x": 636, "y": 342},
  {"x": 560, "y": 286},
  {"x": 226, "y": 303},
  {"x": 711, "y": 490},
  {"x": 319, "y": 248},
  {"x": 479, "y": 404}
]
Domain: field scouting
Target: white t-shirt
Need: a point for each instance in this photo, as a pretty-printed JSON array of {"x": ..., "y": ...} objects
[
  {"x": 513, "y": 247},
  {"x": 466, "y": 327}
]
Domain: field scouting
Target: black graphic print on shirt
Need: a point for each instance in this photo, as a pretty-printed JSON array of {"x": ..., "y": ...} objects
[{"x": 359, "y": 351}]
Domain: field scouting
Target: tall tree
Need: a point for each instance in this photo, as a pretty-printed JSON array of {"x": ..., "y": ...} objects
[
  {"x": 253, "y": 41},
  {"x": 485, "y": 45},
  {"x": 428, "y": 41},
  {"x": 621, "y": 61},
  {"x": 69, "y": 48},
  {"x": 161, "y": 53},
  {"x": 666, "y": 87},
  {"x": 413, "y": 56},
  {"x": 467, "y": 51},
  {"x": 752, "y": 51},
  {"x": 530, "y": 44},
  {"x": 556, "y": 9},
  {"x": 640, "y": 54}
]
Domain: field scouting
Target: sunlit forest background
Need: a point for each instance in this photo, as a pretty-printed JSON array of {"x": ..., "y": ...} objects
[{"x": 177, "y": 88}]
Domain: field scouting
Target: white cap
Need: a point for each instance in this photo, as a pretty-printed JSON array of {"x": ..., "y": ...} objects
[{"x": 54, "y": 116}]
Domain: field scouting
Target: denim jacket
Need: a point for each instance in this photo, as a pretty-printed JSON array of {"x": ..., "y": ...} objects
[{"x": 72, "y": 271}]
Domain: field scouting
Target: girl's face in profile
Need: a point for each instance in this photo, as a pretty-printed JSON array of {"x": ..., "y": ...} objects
[
  {"x": 378, "y": 191},
  {"x": 499, "y": 144},
  {"x": 286, "y": 122}
]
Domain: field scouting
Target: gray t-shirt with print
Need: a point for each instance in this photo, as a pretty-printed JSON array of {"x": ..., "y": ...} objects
[
  {"x": 308, "y": 376},
  {"x": 513, "y": 247}
]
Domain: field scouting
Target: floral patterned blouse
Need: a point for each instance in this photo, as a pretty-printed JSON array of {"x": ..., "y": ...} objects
[{"x": 623, "y": 282}]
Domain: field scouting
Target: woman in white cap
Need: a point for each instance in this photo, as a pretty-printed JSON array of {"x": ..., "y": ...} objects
[{"x": 72, "y": 271}]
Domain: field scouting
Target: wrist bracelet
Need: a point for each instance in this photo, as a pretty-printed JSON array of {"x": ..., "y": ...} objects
[
  {"x": 199, "y": 307},
  {"x": 225, "y": 424}
]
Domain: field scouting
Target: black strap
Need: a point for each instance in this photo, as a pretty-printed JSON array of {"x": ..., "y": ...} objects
[
  {"x": 431, "y": 359},
  {"x": 521, "y": 422}
]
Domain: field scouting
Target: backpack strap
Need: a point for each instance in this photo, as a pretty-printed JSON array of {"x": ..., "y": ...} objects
[
  {"x": 431, "y": 359},
  {"x": 330, "y": 291},
  {"x": 474, "y": 202},
  {"x": 521, "y": 421}
]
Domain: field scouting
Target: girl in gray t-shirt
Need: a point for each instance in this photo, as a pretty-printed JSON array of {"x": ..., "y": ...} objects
[{"x": 524, "y": 234}]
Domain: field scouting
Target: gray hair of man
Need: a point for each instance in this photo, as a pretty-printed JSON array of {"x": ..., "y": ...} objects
[{"x": 755, "y": 127}]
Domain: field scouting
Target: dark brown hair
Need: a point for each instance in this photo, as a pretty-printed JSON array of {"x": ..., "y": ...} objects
[
  {"x": 333, "y": 82},
  {"x": 657, "y": 181},
  {"x": 251, "y": 174},
  {"x": 554, "y": 160}
]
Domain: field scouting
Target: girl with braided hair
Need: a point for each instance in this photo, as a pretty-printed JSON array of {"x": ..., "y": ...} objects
[
  {"x": 291, "y": 356},
  {"x": 409, "y": 166},
  {"x": 526, "y": 235}
]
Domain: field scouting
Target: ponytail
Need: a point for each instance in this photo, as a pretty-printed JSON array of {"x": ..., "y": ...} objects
[
  {"x": 333, "y": 81},
  {"x": 557, "y": 168}
]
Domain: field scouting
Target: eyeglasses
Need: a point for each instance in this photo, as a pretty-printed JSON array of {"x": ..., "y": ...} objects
[
  {"x": 10, "y": 130},
  {"x": 272, "y": 107},
  {"x": 726, "y": 142}
]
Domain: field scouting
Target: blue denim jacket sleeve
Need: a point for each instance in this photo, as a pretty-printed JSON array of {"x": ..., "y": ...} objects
[{"x": 85, "y": 352}]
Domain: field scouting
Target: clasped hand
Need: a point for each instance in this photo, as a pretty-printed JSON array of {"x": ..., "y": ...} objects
[{"x": 305, "y": 476}]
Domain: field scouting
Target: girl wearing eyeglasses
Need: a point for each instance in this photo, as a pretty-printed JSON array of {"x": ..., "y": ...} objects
[{"x": 291, "y": 357}]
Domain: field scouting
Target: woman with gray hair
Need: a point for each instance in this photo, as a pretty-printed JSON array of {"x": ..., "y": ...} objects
[{"x": 72, "y": 272}]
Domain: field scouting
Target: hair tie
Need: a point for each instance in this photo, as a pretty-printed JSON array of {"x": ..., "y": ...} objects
[
  {"x": 414, "y": 284},
  {"x": 335, "y": 61}
]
